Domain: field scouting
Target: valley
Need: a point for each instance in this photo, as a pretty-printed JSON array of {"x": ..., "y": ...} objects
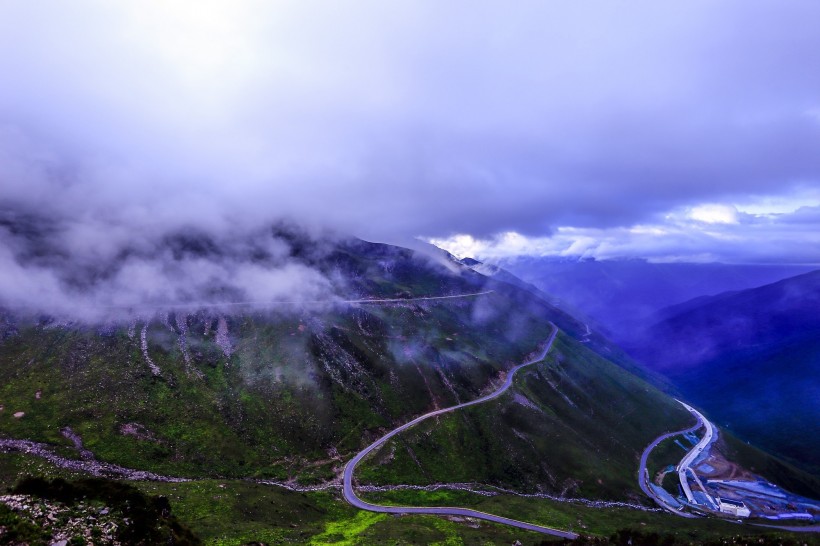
[
  {"x": 409, "y": 273},
  {"x": 351, "y": 497},
  {"x": 750, "y": 358},
  {"x": 708, "y": 484},
  {"x": 449, "y": 393}
]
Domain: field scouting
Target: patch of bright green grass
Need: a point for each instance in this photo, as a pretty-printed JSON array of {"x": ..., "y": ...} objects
[{"x": 345, "y": 532}]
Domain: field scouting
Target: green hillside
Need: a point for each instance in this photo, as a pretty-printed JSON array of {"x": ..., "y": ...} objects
[
  {"x": 223, "y": 395},
  {"x": 752, "y": 359},
  {"x": 295, "y": 389},
  {"x": 574, "y": 425}
]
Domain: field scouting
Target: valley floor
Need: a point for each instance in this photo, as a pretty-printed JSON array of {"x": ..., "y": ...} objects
[
  {"x": 231, "y": 512},
  {"x": 708, "y": 483}
]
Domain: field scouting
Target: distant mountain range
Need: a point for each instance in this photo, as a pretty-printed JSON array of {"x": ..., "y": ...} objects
[
  {"x": 751, "y": 358},
  {"x": 741, "y": 341},
  {"x": 289, "y": 391},
  {"x": 621, "y": 296}
]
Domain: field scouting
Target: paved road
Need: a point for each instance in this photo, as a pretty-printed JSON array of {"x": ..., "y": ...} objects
[
  {"x": 684, "y": 466},
  {"x": 351, "y": 497},
  {"x": 362, "y": 301},
  {"x": 420, "y": 298},
  {"x": 643, "y": 473}
]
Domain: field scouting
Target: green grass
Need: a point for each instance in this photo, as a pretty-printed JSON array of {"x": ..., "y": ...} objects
[
  {"x": 237, "y": 512},
  {"x": 582, "y": 433},
  {"x": 346, "y": 531},
  {"x": 665, "y": 454},
  {"x": 241, "y": 512},
  {"x": 232, "y": 512},
  {"x": 298, "y": 398},
  {"x": 775, "y": 470},
  {"x": 270, "y": 410},
  {"x": 16, "y": 466}
]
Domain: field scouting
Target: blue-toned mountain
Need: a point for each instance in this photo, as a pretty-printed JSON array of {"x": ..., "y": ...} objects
[{"x": 752, "y": 359}]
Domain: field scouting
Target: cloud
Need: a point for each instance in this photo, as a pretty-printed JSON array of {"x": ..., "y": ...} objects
[
  {"x": 577, "y": 127},
  {"x": 706, "y": 233},
  {"x": 51, "y": 267},
  {"x": 714, "y": 213}
]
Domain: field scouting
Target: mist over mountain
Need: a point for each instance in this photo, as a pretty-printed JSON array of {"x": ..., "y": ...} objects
[
  {"x": 313, "y": 379},
  {"x": 78, "y": 271},
  {"x": 243, "y": 243},
  {"x": 621, "y": 296},
  {"x": 401, "y": 121}
]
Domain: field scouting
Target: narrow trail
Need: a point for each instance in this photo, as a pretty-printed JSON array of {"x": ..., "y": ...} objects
[{"x": 351, "y": 497}]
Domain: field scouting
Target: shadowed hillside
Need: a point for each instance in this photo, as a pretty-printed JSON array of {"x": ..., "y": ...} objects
[{"x": 752, "y": 359}]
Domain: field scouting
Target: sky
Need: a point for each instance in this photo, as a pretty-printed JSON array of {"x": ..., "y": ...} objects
[{"x": 684, "y": 131}]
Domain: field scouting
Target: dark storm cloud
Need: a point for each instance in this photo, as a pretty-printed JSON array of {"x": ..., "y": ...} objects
[{"x": 399, "y": 119}]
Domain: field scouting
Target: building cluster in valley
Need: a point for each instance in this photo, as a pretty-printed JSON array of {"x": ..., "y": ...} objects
[{"x": 710, "y": 484}]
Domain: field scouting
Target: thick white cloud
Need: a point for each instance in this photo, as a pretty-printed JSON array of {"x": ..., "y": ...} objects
[
  {"x": 396, "y": 119},
  {"x": 714, "y": 213},
  {"x": 705, "y": 233}
]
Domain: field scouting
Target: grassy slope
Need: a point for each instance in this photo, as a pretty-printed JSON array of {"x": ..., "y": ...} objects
[
  {"x": 296, "y": 387},
  {"x": 581, "y": 434},
  {"x": 237, "y": 512},
  {"x": 232, "y": 513}
]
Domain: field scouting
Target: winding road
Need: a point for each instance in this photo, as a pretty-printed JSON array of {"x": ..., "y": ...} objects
[
  {"x": 362, "y": 301},
  {"x": 351, "y": 497},
  {"x": 643, "y": 473},
  {"x": 684, "y": 466}
]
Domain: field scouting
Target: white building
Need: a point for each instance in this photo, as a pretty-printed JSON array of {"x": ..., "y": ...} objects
[{"x": 733, "y": 507}]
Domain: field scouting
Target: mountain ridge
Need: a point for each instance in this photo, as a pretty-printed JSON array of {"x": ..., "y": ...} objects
[
  {"x": 752, "y": 358},
  {"x": 288, "y": 395}
]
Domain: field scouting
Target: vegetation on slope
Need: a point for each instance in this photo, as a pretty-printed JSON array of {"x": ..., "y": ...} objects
[
  {"x": 293, "y": 395},
  {"x": 286, "y": 394},
  {"x": 574, "y": 425},
  {"x": 234, "y": 513}
]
